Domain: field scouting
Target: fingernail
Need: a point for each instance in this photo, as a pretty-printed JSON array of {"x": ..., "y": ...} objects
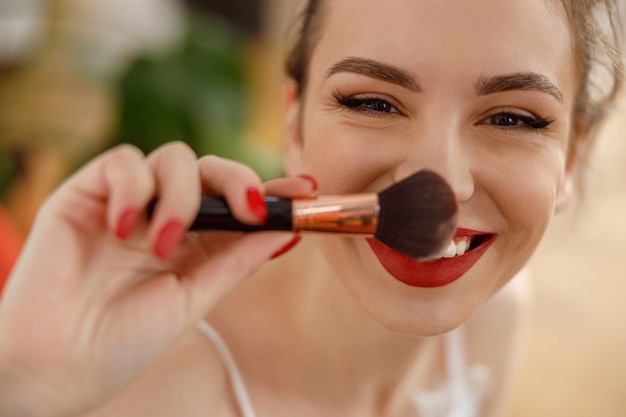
[
  {"x": 293, "y": 242},
  {"x": 257, "y": 204},
  {"x": 127, "y": 223},
  {"x": 171, "y": 234},
  {"x": 310, "y": 179}
]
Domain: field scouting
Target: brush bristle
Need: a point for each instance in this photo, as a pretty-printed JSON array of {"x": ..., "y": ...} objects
[{"x": 417, "y": 215}]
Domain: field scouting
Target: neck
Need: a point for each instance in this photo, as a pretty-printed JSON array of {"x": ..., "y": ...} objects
[{"x": 334, "y": 345}]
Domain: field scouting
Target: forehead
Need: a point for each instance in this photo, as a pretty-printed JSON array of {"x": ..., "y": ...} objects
[{"x": 476, "y": 36}]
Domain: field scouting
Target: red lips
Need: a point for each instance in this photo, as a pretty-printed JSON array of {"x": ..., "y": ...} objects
[{"x": 437, "y": 273}]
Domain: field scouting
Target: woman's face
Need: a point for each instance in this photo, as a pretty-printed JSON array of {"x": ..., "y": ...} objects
[{"x": 480, "y": 92}]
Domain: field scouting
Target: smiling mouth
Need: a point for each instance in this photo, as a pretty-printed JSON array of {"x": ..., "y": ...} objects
[{"x": 465, "y": 249}]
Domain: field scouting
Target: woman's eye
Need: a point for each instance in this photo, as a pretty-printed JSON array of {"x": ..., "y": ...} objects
[
  {"x": 517, "y": 121},
  {"x": 369, "y": 105}
]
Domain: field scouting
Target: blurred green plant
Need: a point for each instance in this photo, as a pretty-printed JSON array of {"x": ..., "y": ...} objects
[
  {"x": 195, "y": 93},
  {"x": 9, "y": 170}
]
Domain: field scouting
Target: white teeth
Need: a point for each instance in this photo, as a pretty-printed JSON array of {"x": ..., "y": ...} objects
[
  {"x": 451, "y": 251},
  {"x": 457, "y": 247},
  {"x": 461, "y": 247}
]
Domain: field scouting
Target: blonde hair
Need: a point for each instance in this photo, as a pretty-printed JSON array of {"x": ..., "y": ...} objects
[{"x": 597, "y": 27}]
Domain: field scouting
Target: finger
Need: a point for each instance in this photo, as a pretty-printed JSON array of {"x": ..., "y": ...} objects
[
  {"x": 131, "y": 188},
  {"x": 175, "y": 170},
  {"x": 238, "y": 183},
  {"x": 291, "y": 187},
  {"x": 120, "y": 179}
]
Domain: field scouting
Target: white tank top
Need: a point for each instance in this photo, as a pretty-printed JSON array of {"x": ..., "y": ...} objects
[{"x": 461, "y": 395}]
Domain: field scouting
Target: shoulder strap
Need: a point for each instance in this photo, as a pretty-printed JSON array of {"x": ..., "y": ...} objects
[{"x": 236, "y": 381}]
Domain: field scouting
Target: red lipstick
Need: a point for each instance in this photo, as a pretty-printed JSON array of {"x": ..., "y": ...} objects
[{"x": 436, "y": 273}]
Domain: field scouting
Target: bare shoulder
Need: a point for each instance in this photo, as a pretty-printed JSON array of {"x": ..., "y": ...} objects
[
  {"x": 188, "y": 381},
  {"x": 497, "y": 334}
]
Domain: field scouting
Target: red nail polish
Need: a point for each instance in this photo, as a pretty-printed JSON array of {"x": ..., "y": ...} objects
[
  {"x": 171, "y": 234},
  {"x": 257, "y": 204},
  {"x": 310, "y": 179},
  {"x": 127, "y": 223},
  {"x": 293, "y": 242}
]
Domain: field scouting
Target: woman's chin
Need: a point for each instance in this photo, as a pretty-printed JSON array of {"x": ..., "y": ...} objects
[{"x": 419, "y": 322}]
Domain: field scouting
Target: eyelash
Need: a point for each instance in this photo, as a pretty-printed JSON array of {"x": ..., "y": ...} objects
[
  {"x": 365, "y": 105},
  {"x": 529, "y": 122}
]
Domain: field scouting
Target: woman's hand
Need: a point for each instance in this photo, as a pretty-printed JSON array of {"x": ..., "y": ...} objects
[{"x": 100, "y": 293}]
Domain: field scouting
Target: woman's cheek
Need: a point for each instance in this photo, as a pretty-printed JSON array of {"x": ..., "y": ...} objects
[
  {"x": 349, "y": 159},
  {"x": 526, "y": 192}
]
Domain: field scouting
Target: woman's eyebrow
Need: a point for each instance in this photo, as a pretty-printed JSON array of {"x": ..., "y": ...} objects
[
  {"x": 518, "y": 81},
  {"x": 377, "y": 70}
]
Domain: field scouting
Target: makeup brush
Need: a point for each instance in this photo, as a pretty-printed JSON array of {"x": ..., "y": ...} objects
[{"x": 416, "y": 216}]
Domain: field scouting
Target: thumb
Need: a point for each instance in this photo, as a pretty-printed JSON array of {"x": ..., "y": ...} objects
[{"x": 208, "y": 282}]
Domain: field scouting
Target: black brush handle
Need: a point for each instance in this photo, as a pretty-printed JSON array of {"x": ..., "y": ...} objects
[{"x": 215, "y": 214}]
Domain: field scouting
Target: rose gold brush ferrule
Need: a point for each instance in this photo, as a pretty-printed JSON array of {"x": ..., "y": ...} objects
[{"x": 352, "y": 214}]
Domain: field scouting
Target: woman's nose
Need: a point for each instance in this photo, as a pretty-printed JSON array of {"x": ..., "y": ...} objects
[{"x": 447, "y": 155}]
